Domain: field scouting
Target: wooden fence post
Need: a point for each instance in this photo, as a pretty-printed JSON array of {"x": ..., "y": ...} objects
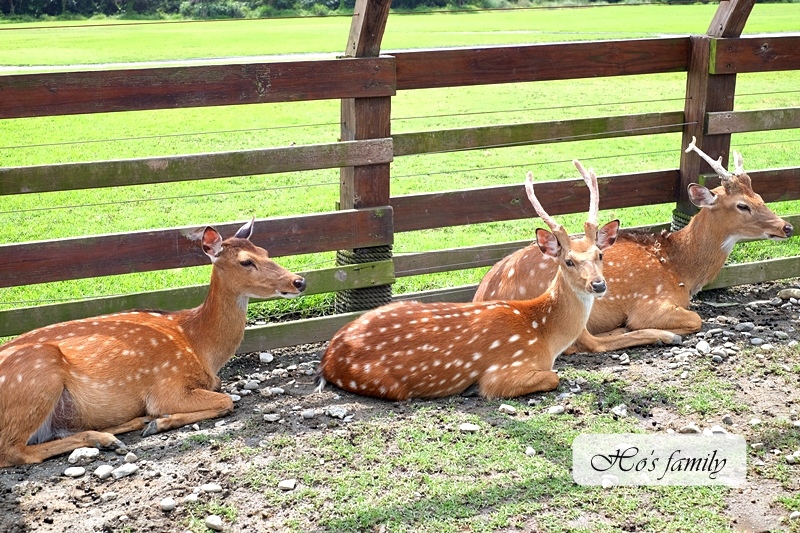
[
  {"x": 365, "y": 186},
  {"x": 704, "y": 93}
]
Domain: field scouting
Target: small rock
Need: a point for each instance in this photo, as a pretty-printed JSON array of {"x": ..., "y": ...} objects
[
  {"x": 684, "y": 374},
  {"x": 308, "y": 414},
  {"x": 108, "y": 496},
  {"x": 336, "y": 411},
  {"x": 272, "y": 417},
  {"x": 754, "y": 421},
  {"x": 794, "y": 515},
  {"x": 624, "y": 359},
  {"x": 718, "y": 359},
  {"x": 790, "y": 459},
  {"x": 757, "y": 446},
  {"x": 235, "y": 398},
  {"x": 781, "y": 335},
  {"x": 718, "y": 430},
  {"x": 277, "y": 391},
  {"x": 168, "y": 504},
  {"x": 75, "y": 471},
  {"x": 468, "y": 427},
  {"x": 287, "y": 484},
  {"x": 744, "y": 326},
  {"x": 556, "y": 409},
  {"x": 125, "y": 470},
  {"x": 620, "y": 410},
  {"x": 703, "y": 347},
  {"x": 529, "y": 451},
  {"x": 766, "y": 347},
  {"x": 190, "y": 498},
  {"x": 130, "y": 457},
  {"x": 214, "y": 522},
  {"x": 83, "y": 456},
  {"x": 689, "y": 429},
  {"x": 103, "y": 471},
  {"x": 756, "y": 341},
  {"x": 507, "y": 409},
  {"x": 727, "y": 420},
  {"x": 211, "y": 487},
  {"x": 251, "y": 385},
  {"x": 266, "y": 357}
]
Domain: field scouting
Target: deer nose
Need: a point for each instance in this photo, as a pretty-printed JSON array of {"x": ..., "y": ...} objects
[
  {"x": 299, "y": 284},
  {"x": 599, "y": 286},
  {"x": 788, "y": 230}
]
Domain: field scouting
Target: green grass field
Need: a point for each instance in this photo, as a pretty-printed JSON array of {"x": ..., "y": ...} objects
[{"x": 181, "y": 131}]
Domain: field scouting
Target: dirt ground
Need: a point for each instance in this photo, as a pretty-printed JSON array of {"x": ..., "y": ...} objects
[{"x": 42, "y": 498}]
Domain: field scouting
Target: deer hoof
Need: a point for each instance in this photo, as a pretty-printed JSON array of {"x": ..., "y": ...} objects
[
  {"x": 677, "y": 339},
  {"x": 151, "y": 428},
  {"x": 118, "y": 446}
]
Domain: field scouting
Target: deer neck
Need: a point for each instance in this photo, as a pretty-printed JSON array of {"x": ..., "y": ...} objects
[
  {"x": 216, "y": 327},
  {"x": 699, "y": 250},
  {"x": 567, "y": 312}
]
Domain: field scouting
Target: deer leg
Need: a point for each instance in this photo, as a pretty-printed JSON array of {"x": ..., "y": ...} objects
[
  {"x": 192, "y": 407},
  {"x": 619, "y": 339},
  {"x": 667, "y": 317},
  {"x": 37, "y": 453},
  {"x": 507, "y": 384}
]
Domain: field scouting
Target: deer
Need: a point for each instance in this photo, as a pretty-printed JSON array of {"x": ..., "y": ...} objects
[
  {"x": 652, "y": 277},
  {"x": 499, "y": 349},
  {"x": 79, "y": 383}
]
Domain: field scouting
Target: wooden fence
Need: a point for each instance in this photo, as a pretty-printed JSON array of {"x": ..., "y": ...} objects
[{"x": 365, "y": 82}]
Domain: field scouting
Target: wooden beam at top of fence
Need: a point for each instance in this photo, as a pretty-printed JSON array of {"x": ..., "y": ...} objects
[
  {"x": 707, "y": 93},
  {"x": 755, "y": 54},
  {"x": 70, "y": 93},
  {"x": 424, "y": 69}
]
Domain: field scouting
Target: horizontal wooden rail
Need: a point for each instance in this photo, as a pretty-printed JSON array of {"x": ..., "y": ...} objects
[
  {"x": 20, "y": 320},
  {"x": 537, "y": 133},
  {"x": 509, "y": 202},
  {"x": 725, "y": 122},
  {"x": 85, "y": 257},
  {"x": 774, "y": 185},
  {"x": 754, "y": 54},
  {"x": 104, "y": 91},
  {"x": 280, "y": 334},
  {"x": 744, "y": 273},
  {"x": 73, "y": 176},
  {"x": 455, "y": 67}
]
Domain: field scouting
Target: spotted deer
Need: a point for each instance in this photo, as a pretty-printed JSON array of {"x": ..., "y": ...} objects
[
  {"x": 409, "y": 349},
  {"x": 652, "y": 277},
  {"x": 79, "y": 383}
]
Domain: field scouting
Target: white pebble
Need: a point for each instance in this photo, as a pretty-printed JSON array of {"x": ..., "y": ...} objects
[
  {"x": 214, "y": 522},
  {"x": 130, "y": 457},
  {"x": 83, "y": 455},
  {"x": 794, "y": 515},
  {"x": 468, "y": 427},
  {"x": 168, "y": 504},
  {"x": 108, "y": 496},
  {"x": 103, "y": 471},
  {"x": 308, "y": 414},
  {"x": 211, "y": 487},
  {"x": 507, "y": 409},
  {"x": 529, "y": 451},
  {"x": 754, "y": 421},
  {"x": 75, "y": 471},
  {"x": 276, "y": 390},
  {"x": 266, "y": 357},
  {"x": 703, "y": 347},
  {"x": 125, "y": 470},
  {"x": 556, "y": 409},
  {"x": 272, "y": 417},
  {"x": 287, "y": 484},
  {"x": 620, "y": 410}
]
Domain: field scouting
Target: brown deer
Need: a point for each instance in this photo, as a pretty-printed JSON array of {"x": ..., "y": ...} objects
[
  {"x": 410, "y": 349},
  {"x": 651, "y": 278},
  {"x": 79, "y": 383}
]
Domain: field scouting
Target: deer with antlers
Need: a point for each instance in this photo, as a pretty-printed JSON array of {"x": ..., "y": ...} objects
[
  {"x": 651, "y": 278},
  {"x": 410, "y": 349},
  {"x": 79, "y": 383}
]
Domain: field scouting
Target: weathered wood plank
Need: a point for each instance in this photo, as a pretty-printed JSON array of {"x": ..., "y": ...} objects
[
  {"x": 744, "y": 121},
  {"x": 143, "y": 251},
  {"x": 278, "y": 335},
  {"x": 72, "y": 176},
  {"x": 755, "y": 54},
  {"x": 744, "y": 273},
  {"x": 537, "y": 133},
  {"x": 509, "y": 64},
  {"x": 103, "y": 91},
  {"x": 509, "y": 202},
  {"x": 16, "y": 321}
]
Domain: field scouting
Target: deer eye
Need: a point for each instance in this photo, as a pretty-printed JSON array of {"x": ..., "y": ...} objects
[
  {"x": 743, "y": 207},
  {"x": 600, "y": 256},
  {"x": 570, "y": 263},
  {"x": 247, "y": 263}
]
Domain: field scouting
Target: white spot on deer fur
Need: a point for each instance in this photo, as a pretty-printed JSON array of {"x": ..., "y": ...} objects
[
  {"x": 544, "y": 319},
  {"x": 530, "y": 342},
  {"x": 510, "y": 272},
  {"x": 492, "y": 368},
  {"x": 518, "y": 353},
  {"x": 513, "y": 338},
  {"x": 2, "y": 379},
  {"x": 534, "y": 324},
  {"x": 494, "y": 345}
]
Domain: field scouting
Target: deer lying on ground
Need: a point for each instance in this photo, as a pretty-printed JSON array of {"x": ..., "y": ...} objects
[
  {"x": 84, "y": 381},
  {"x": 426, "y": 350},
  {"x": 651, "y": 278}
]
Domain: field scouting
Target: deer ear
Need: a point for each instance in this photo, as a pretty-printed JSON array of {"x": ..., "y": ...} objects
[
  {"x": 607, "y": 235},
  {"x": 246, "y": 231},
  {"x": 212, "y": 243},
  {"x": 700, "y": 196},
  {"x": 548, "y": 243}
]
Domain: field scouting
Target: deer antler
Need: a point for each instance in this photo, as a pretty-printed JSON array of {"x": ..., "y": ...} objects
[
  {"x": 716, "y": 165},
  {"x": 547, "y": 219},
  {"x": 594, "y": 191},
  {"x": 738, "y": 162}
]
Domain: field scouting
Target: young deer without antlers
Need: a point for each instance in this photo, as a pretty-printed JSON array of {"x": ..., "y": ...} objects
[
  {"x": 651, "y": 278},
  {"x": 417, "y": 350},
  {"x": 84, "y": 381}
]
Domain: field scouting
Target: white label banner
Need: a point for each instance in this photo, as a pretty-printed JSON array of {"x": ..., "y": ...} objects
[{"x": 635, "y": 459}]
